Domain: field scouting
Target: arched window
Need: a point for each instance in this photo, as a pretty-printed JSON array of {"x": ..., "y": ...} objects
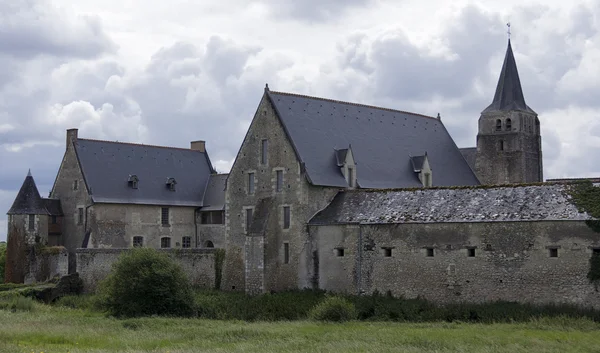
[
  {"x": 498, "y": 125},
  {"x": 508, "y": 124},
  {"x": 209, "y": 244}
]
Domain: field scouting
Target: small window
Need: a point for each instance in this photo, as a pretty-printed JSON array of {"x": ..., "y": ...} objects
[
  {"x": 508, "y": 125},
  {"x": 264, "y": 145},
  {"x": 501, "y": 145},
  {"x": 286, "y": 253},
  {"x": 209, "y": 244},
  {"x": 427, "y": 180},
  {"x": 164, "y": 216},
  {"x": 387, "y": 252},
  {"x": 31, "y": 225},
  {"x": 498, "y": 125},
  {"x": 248, "y": 219},
  {"x": 80, "y": 216},
  {"x": 53, "y": 219},
  {"x": 471, "y": 252},
  {"x": 186, "y": 242},
  {"x": 133, "y": 181},
  {"x": 279, "y": 184},
  {"x": 596, "y": 251},
  {"x": 430, "y": 252},
  {"x": 351, "y": 177},
  {"x": 339, "y": 252},
  {"x": 138, "y": 242},
  {"x": 171, "y": 182},
  {"x": 286, "y": 217},
  {"x": 553, "y": 252},
  {"x": 165, "y": 242},
  {"x": 75, "y": 184},
  {"x": 251, "y": 183}
]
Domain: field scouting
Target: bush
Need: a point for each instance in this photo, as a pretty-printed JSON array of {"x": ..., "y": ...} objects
[
  {"x": 144, "y": 282},
  {"x": 333, "y": 309},
  {"x": 83, "y": 302},
  {"x": 2, "y": 261},
  {"x": 15, "y": 302}
]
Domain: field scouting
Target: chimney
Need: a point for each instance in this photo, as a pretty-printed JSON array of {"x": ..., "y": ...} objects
[
  {"x": 198, "y": 146},
  {"x": 71, "y": 137}
]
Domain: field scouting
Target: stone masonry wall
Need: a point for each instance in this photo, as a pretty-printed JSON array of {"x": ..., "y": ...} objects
[
  {"x": 46, "y": 263},
  {"x": 303, "y": 199},
  {"x": 93, "y": 265},
  {"x": 512, "y": 261},
  {"x": 214, "y": 233},
  {"x": 115, "y": 225}
]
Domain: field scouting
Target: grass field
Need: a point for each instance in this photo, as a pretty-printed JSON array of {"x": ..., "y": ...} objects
[{"x": 51, "y": 329}]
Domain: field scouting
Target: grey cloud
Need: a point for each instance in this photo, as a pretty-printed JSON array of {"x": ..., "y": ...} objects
[
  {"x": 29, "y": 28},
  {"x": 313, "y": 10}
]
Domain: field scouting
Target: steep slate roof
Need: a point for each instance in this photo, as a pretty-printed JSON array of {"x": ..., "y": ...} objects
[
  {"x": 382, "y": 141},
  {"x": 214, "y": 197},
  {"x": 470, "y": 155},
  {"x": 477, "y": 204},
  {"x": 509, "y": 94},
  {"x": 28, "y": 200},
  {"x": 53, "y": 207},
  {"x": 107, "y": 166}
]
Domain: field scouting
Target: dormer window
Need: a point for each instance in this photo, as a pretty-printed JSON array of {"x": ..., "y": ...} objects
[
  {"x": 498, "y": 125},
  {"x": 423, "y": 170},
  {"x": 508, "y": 125},
  {"x": 133, "y": 181},
  {"x": 345, "y": 161},
  {"x": 171, "y": 183}
]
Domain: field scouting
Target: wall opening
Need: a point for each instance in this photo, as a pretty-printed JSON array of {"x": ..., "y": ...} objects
[
  {"x": 138, "y": 241},
  {"x": 498, "y": 125},
  {"x": 164, "y": 216},
  {"x": 339, "y": 252},
  {"x": 165, "y": 242},
  {"x": 553, "y": 252},
  {"x": 209, "y": 244},
  {"x": 286, "y": 217},
  {"x": 430, "y": 252},
  {"x": 286, "y": 253},
  {"x": 186, "y": 242},
  {"x": 471, "y": 252},
  {"x": 508, "y": 125},
  {"x": 387, "y": 252}
]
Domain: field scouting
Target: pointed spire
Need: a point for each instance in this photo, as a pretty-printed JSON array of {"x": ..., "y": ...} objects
[
  {"x": 28, "y": 200},
  {"x": 509, "y": 94},
  {"x": 29, "y": 173}
]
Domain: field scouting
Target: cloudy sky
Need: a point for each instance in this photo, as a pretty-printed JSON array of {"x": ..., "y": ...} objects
[{"x": 174, "y": 71}]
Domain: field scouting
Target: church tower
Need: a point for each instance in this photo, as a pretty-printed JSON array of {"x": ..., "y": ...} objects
[{"x": 509, "y": 145}]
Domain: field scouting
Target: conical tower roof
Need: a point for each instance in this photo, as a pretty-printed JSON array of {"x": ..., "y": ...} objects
[
  {"x": 28, "y": 199},
  {"x": 509, "y": 94}
]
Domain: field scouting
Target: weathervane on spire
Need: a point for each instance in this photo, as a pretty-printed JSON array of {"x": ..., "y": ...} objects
[{"x": 508, "y": 25}]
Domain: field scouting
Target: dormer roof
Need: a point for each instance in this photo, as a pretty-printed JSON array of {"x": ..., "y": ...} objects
[
  {"x": 509, "y": 94},
  {"x": 340, "y": 156},
  {"x": 418, "y": 162}
]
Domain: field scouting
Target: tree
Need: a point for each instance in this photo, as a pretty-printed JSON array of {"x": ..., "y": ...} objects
[
  {"x": 2, "y": 260},
  {"x": 145, "y": 282}
]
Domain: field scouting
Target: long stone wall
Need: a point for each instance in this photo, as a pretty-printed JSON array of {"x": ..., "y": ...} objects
[
  {"x": 533, "y": 262},
  {"x": 45, "y": 264},
  {"x": 93, "y": 265}
]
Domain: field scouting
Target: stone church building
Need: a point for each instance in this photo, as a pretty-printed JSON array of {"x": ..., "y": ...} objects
[{"x": 339, "y": 196}]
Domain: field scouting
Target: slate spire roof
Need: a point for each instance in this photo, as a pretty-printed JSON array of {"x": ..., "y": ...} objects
[
  {"x": 509, "y": 94},
  {"x": 28, "y": 200}
]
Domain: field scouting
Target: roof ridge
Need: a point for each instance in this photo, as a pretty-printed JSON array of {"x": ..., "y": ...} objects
[
  {"x": 141, "y": 144},
  {"x": 352, "y": 103},
  {"x": 464, "y": 187}
]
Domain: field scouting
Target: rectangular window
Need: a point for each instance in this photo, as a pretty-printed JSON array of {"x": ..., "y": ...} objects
[
  {"x": 186, "y": 242},
  {"x": 248, "y": 219},
  {"x": 212, "y": 217},
  {"x": 553, "y": 252},
  {"x": 351, "y": 177},
  {"x": 286, "y": 253},
  {"x": 471, "y": 252},
  {"x": 75, "y": 184},
  {"x": 264, "y": 146},
  {"x": 164, "y": 216},
  {"x": 279, "y": 185},
  {"x": 31, "y": 225},
  {"x": 138, "y": 242},
  {"x": 339, "y": 252},
  {"x": 387, "y": 252},
  {"x": 251, "y": 183},
  {"x": 53, "y": 219},
  {"x": 286, "y": 217},
  {"x": 596, "y": 251},
  {"x": 165, "y": 242},
  {"x": 80, "y": 216},
  {"x": 430, "y": 252}
]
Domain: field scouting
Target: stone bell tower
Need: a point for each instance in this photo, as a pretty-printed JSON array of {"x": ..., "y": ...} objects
[{"x": 509, "y": 145}]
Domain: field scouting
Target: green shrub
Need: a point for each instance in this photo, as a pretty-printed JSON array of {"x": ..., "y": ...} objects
[
  {"x": 83, "y": 302},
  {"x": 15, "y": 302},
  {"x": 2, "y": 260},
  {"x": 333, "y": 309},
  {"x": 144, "y": 282}
]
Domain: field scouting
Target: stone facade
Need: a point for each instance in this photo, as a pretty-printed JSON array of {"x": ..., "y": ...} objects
[
  {"x": 93, "y": 265},
  {"x": 266, "y": 256},
  {"x": 115, "y": 225},
  {"x": 533, "y": 262},
  {"x": 46, "y": 264},
  {"x": 509, "y": 148}
]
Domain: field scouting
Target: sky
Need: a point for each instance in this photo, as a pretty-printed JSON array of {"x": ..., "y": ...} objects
[{"x": 167, "y": 73}]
